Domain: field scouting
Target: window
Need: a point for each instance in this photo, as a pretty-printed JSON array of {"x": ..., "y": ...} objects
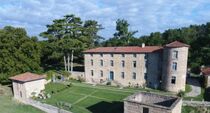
[
  {"x": 111, "y": 62},
  {"x": 175, "y": 55},
  {"x": 134, "y": 63},
  {"x": 145, "y": 110},
  {"x": 92, "y": 73},
  {"x": 174, "y": 66},
  {"x": 122, "y": 75},
  {"x": 102, "y": 74},
  {"x": 134, "y": 55},
  {"x": 123, "y": 63},
  {"x": 134, "y": 75},
  {"x": 123, "y": 55},
  {"x": 101, "y": 55},
  {"x": 173, "y": 80},
  {"x": 91, "y": 62},
  {"x": 112, "y": 55},
  {"x": 101, "y": 62}
]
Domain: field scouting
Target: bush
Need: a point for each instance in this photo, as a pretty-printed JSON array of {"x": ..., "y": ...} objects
[
  {"x": 108, "y": 83},
  {"x": 69, "y": 84},
  {"x": 81, "y": 79},
  {"x": 181, "y": 93},
  {"x": 63, "y": 105},
  {"x": 195, "y": 68},
  {"x": 50, "y": 74}
]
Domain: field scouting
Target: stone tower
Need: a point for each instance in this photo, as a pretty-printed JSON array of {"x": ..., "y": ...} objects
[{"x": 174, "y": 69}]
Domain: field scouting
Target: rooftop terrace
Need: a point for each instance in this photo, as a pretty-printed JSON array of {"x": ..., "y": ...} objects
[{"x": 152, "y": 99}]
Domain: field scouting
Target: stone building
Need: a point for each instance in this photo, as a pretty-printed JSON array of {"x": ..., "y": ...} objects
[
  {"x": 152, "y": 103},
  {"x": 205, "y": 72},
  {"x": 24, "y": 85},
  {"x": 153, "y": 66}
]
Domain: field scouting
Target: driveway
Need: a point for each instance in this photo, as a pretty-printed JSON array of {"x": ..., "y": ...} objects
[{"x": 196, "y": 87}]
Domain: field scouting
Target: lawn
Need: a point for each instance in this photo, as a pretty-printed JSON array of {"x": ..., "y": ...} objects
[
  {"x": 86, "y": 98},
  {"x": 7, "y": 105},
  {"x": 188, "y": 109},
  {"x": 188, "y": 88}
]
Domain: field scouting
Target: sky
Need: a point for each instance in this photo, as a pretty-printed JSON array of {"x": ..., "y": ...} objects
[{"x": 146, "y": 16}]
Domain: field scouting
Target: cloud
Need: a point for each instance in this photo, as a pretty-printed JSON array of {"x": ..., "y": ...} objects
[{"x": 146, "y": 16}]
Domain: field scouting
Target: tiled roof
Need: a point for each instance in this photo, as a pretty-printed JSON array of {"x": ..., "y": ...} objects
[
  {"x": 27, "y": 77},
  {"x": 206, "y": 71},
  {"x": 128, "y": 49},
  {"x": 176, "y": 44}
]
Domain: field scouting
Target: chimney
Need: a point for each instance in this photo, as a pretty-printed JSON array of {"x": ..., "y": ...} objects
[{"x": 143, "y": 45}]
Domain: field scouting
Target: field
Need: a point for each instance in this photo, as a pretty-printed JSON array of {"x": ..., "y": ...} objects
[
  {"x": 7, "y": 105},
  {"x": 92, "y": 99}
]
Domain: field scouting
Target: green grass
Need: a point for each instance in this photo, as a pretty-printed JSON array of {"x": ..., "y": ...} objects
[
  {"x": 8, "y": 105},
  {"x": 197, "y": 98},
  {"x": 189, "y": 109},
  {"x": 188, "y": 88},
  {"x": 86, "y": 98}
]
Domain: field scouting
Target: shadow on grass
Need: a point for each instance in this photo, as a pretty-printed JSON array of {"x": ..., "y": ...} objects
[{"x": 107, "y": 107}]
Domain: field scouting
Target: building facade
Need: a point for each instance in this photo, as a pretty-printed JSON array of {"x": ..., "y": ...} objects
[
  {"x": 24, "y": 85},
  {"x": 153, "y": 66}
]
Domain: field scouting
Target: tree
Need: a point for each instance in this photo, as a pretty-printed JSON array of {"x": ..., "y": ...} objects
[
  {"x": 19, "y": 52},
  {"x": 68, "y": 36},
  {"x": 122, "y": 36}
]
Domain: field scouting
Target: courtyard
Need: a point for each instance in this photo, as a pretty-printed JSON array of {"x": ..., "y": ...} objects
[{"x": 85, "y": 98}]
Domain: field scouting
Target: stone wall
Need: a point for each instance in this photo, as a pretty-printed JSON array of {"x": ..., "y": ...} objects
[
  {"x": 180, "y": 73},
  {"x": 34, "y": 86},
  {"x": 23, "y": 90},
  {"x": 132, "y": 107},
  {"x": 117, "y": 68},
  {"x": 19, "y": 90},
  {"x": 154, "y": 69}
]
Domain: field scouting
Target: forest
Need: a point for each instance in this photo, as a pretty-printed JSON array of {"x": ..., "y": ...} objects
[{"x": 20, "y": 52}]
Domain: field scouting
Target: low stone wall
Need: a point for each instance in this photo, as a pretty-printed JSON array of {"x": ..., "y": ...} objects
[
  {"x": 76, "y": 74},
  {"x": 44, "y": 107},
  {"x": 196, "y": 103}
]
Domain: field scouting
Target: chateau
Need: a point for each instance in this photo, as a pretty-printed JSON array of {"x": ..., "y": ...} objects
[{"x": 162, "y": 67}]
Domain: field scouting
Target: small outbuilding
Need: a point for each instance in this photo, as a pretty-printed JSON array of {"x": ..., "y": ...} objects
[
  {"x": 27, "y": 85},
  {"x": 143, "y": 102},
  {"x": 205, "y": 72}
]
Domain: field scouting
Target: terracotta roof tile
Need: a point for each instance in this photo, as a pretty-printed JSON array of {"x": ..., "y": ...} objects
[
  {"x": 128, "y": 49},
  {"x": 27, "y": 77},
  {"x": 206, "y": 71},
  {"x": 176, "y": 44}
]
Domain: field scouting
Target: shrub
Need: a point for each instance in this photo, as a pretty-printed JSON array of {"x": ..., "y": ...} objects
[
  {"x": 181, "y": 93},
  {"x": 63, "y": 105},
  {"x": 108, "y": 83},
  {"x": 69, "y": 84},
  {"x": 81, "y": 79}
]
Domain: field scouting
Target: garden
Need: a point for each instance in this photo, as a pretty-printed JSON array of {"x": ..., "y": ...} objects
[{"x": 84, "y": 98}]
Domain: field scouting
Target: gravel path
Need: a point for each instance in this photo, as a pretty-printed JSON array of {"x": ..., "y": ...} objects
[{"x": 196, "y": 88}]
